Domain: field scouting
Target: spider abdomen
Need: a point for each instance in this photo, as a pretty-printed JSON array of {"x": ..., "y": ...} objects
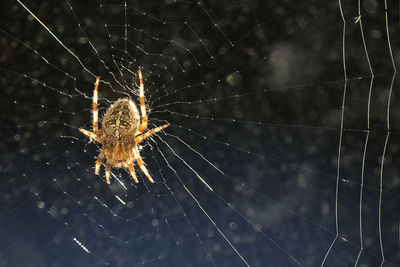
[{"x": 121, "y": 119}]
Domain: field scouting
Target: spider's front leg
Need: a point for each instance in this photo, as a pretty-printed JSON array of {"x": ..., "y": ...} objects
[
  {"x": 143, "y": 124},
  {"x": 96, "y": 132},
  {"x": 95, "y": 106}
]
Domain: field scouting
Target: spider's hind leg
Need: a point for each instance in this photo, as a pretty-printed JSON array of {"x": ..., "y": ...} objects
[
  {"x": 108, "y": 170},
  {"x": 139, "y": 161},
  {"x": 98, "y": 162},
  {"x": 128, "y": 164},
  {"x": 110, "y": 162},
  {"x": 132, "y": 172}
]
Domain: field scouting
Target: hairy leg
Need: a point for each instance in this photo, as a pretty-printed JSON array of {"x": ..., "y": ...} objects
[
  {"x": 141, "y": 164},
  {"x": 143, "y": 125},
  {"x": 143, "y": 136}
]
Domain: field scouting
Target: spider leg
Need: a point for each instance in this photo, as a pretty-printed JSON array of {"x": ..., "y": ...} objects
[
  {"x": 95, "y": 111},
  {"x": 109, "y": 163},
  {"x": 143, "y": 136},
  {"x": 132, "y": 172},
  {"x": 143, "y": 124},
  {"x": 98, "y": 162},
  {"x": 129, "y": 164},
  {"x": 91, "y": 135},
  {"x": 141, "y": 164},
  {"x": 108, "y": 169}
]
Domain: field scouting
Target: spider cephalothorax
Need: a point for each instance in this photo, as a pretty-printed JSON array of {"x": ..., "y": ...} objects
[{"x": 121, "y": 130}]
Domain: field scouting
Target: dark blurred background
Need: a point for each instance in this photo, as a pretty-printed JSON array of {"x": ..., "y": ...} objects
[{"x": 260, "y": 103}]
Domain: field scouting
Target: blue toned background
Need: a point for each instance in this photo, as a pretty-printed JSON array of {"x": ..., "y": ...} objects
[{"x": 289, "y": 112}]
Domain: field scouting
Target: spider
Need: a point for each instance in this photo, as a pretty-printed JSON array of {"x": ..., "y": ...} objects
[{"x": 121, "y": 131}]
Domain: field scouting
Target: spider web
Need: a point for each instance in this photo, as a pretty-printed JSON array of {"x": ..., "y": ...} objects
[{"x": 282, "y": 150}]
